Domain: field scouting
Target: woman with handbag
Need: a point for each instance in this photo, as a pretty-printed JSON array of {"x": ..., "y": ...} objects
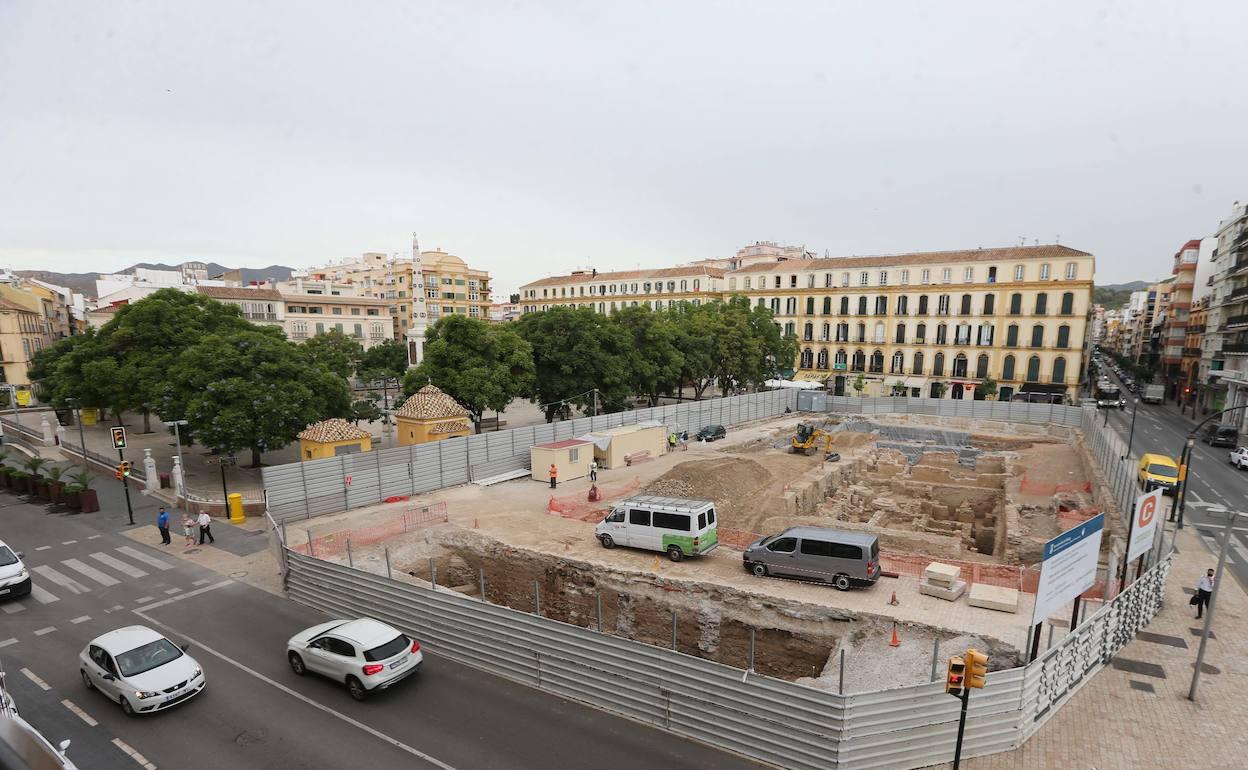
[{"x": 1204, "y": 589}]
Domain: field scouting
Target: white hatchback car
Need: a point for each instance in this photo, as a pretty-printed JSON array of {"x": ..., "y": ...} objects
[
  {"x": 366, "y": 655},
  {"x": 140, "y": 669},
  {"x": 1239, "y": 458}
]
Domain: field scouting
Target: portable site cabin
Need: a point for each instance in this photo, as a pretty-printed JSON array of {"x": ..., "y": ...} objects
[
  {"x": 570, "y": 457},
  {"x": 613, "y": 447}
]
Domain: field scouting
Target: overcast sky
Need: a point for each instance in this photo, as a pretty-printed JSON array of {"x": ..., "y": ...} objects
[{"x": 532, "y": 138}]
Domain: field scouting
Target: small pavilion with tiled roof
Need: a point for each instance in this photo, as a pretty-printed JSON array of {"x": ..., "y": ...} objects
[
  {"x": 431, "y": 415},
  {"x": 330, "y": 438}
]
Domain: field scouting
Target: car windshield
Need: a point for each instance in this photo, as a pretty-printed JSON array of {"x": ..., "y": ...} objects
[
  {"x": 7, "y": 557},
  {"x": 149, "y": 656},
  {"x": 1164, "y": 471},
  {"x": 388, "y": 650}
]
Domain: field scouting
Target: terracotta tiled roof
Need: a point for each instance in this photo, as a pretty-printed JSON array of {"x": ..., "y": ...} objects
[
  {"x": 430, "y": 403},
  {"x": 627, "y": 275},
  {"x": 1052, "y": 251},
  {"x": 448, "y": 427},
  {"x": 335, "y": 429},
  {"x": 239, "y": 292}
]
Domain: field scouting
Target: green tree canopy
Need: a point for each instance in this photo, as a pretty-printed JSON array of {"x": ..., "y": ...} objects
[
  {"x": 387, "y": 360},
  {"x": 577, "y": 351},
  {"x": 481, "y": 365},
  {"x": 335, "y": 350},
  {"x": 653, "y": 362},
  {"x": 252, "y": 390}
]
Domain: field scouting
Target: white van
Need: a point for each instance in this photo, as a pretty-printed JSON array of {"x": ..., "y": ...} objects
[{"x": 680, "y": 526}]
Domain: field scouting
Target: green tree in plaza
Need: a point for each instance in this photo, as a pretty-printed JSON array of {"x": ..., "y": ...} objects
[
  {"x": 335, "y": 350},
  {"x": 694, "y": 338},
  {"x": 480, "y": 365},
  {"x": 860, "y": 384},
  {"x": 252, "y": 389},
  {"x": 749, "y": 347},
  {"x": 988, "y": 386},
  {"x": 387, "y": 360},
  {"x": 576, "y": 352},
  {"x": 365, "y": 409},
  {"x": 654, "y": 362}
]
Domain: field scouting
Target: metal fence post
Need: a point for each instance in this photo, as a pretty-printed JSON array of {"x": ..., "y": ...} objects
[
  {"x": 388, "y": 573},
  {"x": 598, "y": 602},
  {"x": 433, "y": 573},
  {"x": 751, "y": 663},
  {"x": 303, "y": 481},
  {"x": 840, "y": 683},
  {"x": 311, "y": 548},
  {"x": 481, "y": 581},
  {"x": 935, "y": 657},
  {"x": 350, "y": 560},
  {"x": 537, "y": 598},
  {"x": 673, "y": 629}
]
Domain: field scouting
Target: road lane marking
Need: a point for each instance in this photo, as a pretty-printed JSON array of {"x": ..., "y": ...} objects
[
  {"x": 43, "y": 548},
  {"x": 95, "y": 537},
  {"x": 145, "y": 599},
  {"x": 7, "y": 642},
  {"x": 82, "y": 619},
  {"x": 68, "y": 542},
  {"x": 11, "y": 608},
  {"x": 84, "y": 716},
  {"x": 314, "y": 704},
  {"x": 200, "y": 583},
  {"x": 32, "y": 676},
  {"x": 173, "y": 591},
  {"x": 136, "y": 756},
  {"x": 180, "y": 597},
  {"x": 45, "y": 631},
  {"x": 68, "y": 583},
  {"x": 119, "y": 565},
  {"x": 91, "y": 572},
  {"x": 42, "y": 596},
  {"x": 151, "y": 561}
]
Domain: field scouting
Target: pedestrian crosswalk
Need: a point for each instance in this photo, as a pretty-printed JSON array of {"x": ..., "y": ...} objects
[{"x": 55, "y": 580}]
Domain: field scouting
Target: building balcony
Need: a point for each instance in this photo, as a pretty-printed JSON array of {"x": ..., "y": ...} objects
[
  {"x": 1235, "y": 348},
  {"x": 1190, "y": 352},
  {"x": 1235, "y": 322},
  {"x": 260, "y": 316}
]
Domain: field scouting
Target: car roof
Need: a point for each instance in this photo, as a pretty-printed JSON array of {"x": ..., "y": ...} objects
[
  {"x": 125, "y": 639},
  {"x": 365, "y": 632},
  {"x": 1151, "y": 457},
  {"x": 840, "y": 535}
]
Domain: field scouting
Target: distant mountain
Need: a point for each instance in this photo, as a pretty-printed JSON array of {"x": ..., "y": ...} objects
[
  {"x": 84, "y": 283},
  {"x": 1116, "y": 295}
]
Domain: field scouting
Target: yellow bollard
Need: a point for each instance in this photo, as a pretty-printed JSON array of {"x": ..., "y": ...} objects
[{"x": 236, "y": 508}]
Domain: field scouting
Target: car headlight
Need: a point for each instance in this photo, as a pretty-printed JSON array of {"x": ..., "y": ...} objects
[
  {"x": 23, "y": 574},
  {"x": 141, "y": 694},
  {"x": 196, "y": 672}
]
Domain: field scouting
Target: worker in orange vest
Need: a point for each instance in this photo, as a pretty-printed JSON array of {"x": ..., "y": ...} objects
[{"x": 554, "y": 475}]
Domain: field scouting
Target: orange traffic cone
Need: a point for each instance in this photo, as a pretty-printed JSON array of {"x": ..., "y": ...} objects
[{"x": 895, "y": 641}]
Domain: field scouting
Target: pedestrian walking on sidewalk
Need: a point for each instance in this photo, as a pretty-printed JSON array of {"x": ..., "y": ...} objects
[
  {"x": 205, "y": 528},
  {"x": 593, "y": 470},
  {"x": 1204, "y": 589},
  {"x": 188, "y": 529},
  {"x": 554, "y": 475},
  {"x": 162, "y": 523}
]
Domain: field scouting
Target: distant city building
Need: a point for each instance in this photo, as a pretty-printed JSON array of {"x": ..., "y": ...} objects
[
  {"x": 24, "y": 331},
  {"x": 1178, "y": 360},
  {"x": 1225, "y": 344}
]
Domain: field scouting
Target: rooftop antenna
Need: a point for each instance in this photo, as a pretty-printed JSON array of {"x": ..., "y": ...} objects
[
  {"x": 1058, "y": 239},
  {"x": 1022, "y": 240}
]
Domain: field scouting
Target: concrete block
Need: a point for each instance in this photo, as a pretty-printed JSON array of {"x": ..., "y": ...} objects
[
  {"x": 949, "y": 593},
  {"x": 993, "y": 598},
  {"x": 942, "y": 574}
]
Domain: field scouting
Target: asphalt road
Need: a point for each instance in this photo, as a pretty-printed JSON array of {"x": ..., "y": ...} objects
[
  {"x": 1215, "y": 487},
  {"x": 254, "y": 712}
]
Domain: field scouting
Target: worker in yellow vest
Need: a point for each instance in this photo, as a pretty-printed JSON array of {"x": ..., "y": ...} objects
[{"x": 554, "y": 475}]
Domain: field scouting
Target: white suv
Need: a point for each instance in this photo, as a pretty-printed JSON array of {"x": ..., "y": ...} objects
[
  {"x": 1239, "y": 458},
  {"x": 14, "y": 577},
  {"x": 366, "y": 655}
]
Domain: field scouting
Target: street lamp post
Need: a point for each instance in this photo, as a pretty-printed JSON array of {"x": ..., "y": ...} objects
[
  {"x": 17, "y": 418},
  {"x": 1131, "y": 435},
  {"x": 1213, "y": 599},
  {"x": 1179, "y": 501},
  {"x": 177, "y": 437}
]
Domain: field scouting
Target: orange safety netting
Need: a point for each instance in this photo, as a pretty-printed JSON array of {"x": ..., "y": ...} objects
[
  {"x": 412, "y": 518},
  {"x": 579, "y": 506}
]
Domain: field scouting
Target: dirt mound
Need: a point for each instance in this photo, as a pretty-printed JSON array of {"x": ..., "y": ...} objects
[
  {"x": 850, "y": 439},
  {"x": 732, "y": 482}
]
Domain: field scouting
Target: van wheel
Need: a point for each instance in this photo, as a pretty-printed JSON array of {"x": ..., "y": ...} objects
[
  {"x": 759, "y": 569},
  {"x": 607, "y": 541},
  {"x": 674, "y": 553},
  {"x": 841, "y": 582}
]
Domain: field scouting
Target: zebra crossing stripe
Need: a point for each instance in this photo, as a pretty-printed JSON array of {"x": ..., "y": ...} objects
[
  {"x": 68, "y": 583},
  {"x": 152, "y": 561},
  {"x": 41, "y": 595},
  {"x": 91, "y": 572},
  {"x": 109, "y": 560}
]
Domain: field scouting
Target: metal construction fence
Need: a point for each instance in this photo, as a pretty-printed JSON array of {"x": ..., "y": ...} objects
[
  {"x": 331, "y": 485},
  {"x": 1005, "y": 411},
  {"x": 775, "y": 721}
]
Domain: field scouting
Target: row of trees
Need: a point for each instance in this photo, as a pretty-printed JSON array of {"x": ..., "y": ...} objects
[{"x": 566, "y": 358}]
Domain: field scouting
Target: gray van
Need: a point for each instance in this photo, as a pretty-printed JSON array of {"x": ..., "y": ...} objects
[{"x": 831, "y": 556}]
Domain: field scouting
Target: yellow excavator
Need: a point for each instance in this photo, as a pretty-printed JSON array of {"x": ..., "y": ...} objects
[{"x": 807, "y": 439}]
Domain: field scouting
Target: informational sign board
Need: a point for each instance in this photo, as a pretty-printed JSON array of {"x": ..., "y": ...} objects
[
  {"x": 1144, "y": 523},
  {"x": 1069, "y": 567},
  {"x": 119, "y": 437}
]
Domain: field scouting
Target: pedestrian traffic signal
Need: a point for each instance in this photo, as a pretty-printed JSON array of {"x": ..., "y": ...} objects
[
  {"x": 125, "y": 468},
  {"x": 955, "y": 676},
  {"x": 976, "y": 668},
  {"x": 118, "y": 473}
]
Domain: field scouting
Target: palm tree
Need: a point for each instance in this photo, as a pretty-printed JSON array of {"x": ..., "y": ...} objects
[
  {"x": 82, "y": 477},
  {"x": 34, "y": 465}
]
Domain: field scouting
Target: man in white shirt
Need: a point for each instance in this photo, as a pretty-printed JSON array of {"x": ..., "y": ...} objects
[
  {"x": 1204, "y": 590},
  {"x": 205, "y": 528}
]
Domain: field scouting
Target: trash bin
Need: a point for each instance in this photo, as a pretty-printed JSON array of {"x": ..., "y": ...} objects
[
  {"x": 236, "y": 508},
  {"x": 164, "y": 481}
]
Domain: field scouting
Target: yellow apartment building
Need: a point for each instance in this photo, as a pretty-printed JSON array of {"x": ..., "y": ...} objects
[
  {"x": 23, "y": 333},
  {"x": 934, "y": 324},
  {"x": 608, "y": 292},
  {"x": 364, "y": 318}
]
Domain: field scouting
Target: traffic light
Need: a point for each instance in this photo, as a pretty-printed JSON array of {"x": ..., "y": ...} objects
[
  {"x": 976, "y": 668},
  {"x": 125, "y": 468},
  {"x": 955, "y": 677},
  {"x": 118, "y": 473}
]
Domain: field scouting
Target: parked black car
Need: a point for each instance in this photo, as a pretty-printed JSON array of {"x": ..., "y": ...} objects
[
  {"x": 1220, "y": 435},
  {"x": 711, "y": 432}
]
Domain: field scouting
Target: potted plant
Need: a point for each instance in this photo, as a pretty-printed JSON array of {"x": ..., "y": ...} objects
[
  {"x": 73, "y": 496},
  {"x": 21, "y": 481},
  {"x": 55, "y": 485},
  {"x": 88, "y": 500},
  {"x": 36, "y": 485}
]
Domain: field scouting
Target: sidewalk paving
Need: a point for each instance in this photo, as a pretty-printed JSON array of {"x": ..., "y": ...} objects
[{"x": 1135, "y": 714}]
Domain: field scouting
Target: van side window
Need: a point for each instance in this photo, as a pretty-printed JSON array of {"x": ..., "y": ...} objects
[
  {"x": 677, "y": 521},
  {"x": 616, "y": 516},
  {"x": 816, "y": 547},
  {"x": 710, "y": 515},
  {"x": 636, "y": 516},
  {"x": 701, "y": 521},
  {"x": 783, "y": 545},
  {"x": 842, "y": 551}
]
